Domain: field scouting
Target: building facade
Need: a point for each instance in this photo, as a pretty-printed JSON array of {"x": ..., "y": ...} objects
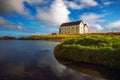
[{"x": 78, "y": 27}]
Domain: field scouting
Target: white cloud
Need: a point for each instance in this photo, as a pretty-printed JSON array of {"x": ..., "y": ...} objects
[
  {"x": 18, "y": 6},
  {"x": 107, "y": 3},
  {"x": 89, "y": 2},
  {"x": 10, "y": 6},
  {"x": 34, "y": 1},
  {"x": 56, "y": 14},
  {"x": 114, "y": 26},
  {"x": 74, "y": 5},
  {"x": 93, "y": 21},
  {"x": 80, "y": 4},
  {"x": 2, "y": 21},
  {"x": 5, "y": 23},
  {"x": 19, "y": 27}
]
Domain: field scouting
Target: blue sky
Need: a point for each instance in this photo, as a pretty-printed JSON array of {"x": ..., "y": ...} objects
[{"x": 28, "y": 17}]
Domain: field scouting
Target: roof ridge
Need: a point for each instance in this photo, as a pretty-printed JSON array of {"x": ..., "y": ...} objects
[{"x": 71, "y": 23}]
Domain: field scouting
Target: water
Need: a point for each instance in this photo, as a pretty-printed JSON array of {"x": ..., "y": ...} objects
[{"x": 34, "y": 60}]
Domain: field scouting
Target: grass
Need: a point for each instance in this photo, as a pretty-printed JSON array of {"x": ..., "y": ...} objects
[
  {"x": 59, "y": 38},
  {"x": 100, "y": 50},
  {"x": 63, "y": 37}
]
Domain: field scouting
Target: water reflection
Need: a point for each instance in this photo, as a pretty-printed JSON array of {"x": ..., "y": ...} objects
[
  {"x": 93, "y": 70},
  {"x": 34, "y": 60}
]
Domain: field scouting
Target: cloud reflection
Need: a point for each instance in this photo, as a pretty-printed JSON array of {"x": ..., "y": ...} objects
[{"x": 30, "y": 60}]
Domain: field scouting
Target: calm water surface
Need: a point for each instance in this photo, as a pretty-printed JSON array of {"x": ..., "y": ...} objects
[{"x": 34, "y": 60}]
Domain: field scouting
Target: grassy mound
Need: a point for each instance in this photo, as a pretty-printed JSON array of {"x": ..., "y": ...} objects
[{"x": 102, "y": 50}]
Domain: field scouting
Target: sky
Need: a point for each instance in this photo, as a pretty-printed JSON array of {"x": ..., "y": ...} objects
[{"x": 32, "y": 17}]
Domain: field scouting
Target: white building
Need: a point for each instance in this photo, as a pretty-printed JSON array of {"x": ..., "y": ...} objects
[{"x": 77, "y": 27}]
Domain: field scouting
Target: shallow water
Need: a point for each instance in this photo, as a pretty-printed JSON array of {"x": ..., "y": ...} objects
[{"x": 34, "y": 60}]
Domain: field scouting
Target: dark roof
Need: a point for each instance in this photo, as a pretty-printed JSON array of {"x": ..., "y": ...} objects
[
  {"x": 71, "y": 23},
  {"x": 85, "y": 25}
]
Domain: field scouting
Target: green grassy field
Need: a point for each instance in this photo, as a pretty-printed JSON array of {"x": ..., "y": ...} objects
[
  {"x": 63, "y": 37},
  {"x": 58, "y": 38},
  {"x": 95, "y": 49}
]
